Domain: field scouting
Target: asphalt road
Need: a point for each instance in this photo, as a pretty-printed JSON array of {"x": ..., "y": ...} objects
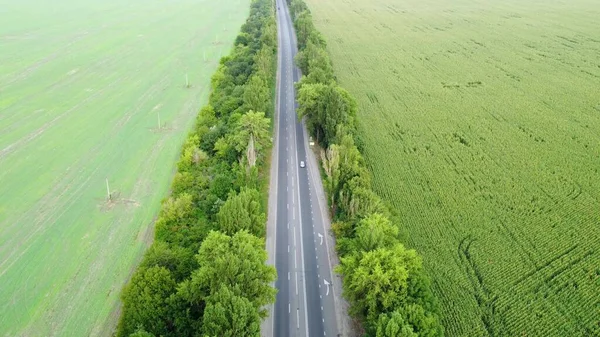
[{"x": 305, "y": 305}]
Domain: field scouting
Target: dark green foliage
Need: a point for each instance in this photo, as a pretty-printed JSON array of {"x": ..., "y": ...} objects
[
  {"x": 385, "y": 283},
  {"x": 141, "y": 333},
  {"x": 229, "y": 315},
  {"x": 393, "y": 325},
  {"x": 146, "y": 302},
  {"x": 178, "y": 222},
  {"x": 326, "y": 107},
  {"x": 178, "y": 260},
  {"x": 190, "y": 282},
  {"x": 237, "y": 262},
  {"x": 374, "y": 232},
  {"x": 242, "y": 212},
  {"x": 257, "y": 94},
  {"x": 222, "y": 184},
  {"x": 207, "y": 144}
]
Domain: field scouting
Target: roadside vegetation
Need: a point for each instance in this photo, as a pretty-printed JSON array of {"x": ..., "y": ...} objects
[
  {"x": 384, "y": 281},
  {"x": 206, "y": 272},
  {"x": 480, "y": 124}
]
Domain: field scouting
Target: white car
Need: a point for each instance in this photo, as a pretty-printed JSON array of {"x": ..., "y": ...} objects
[{"x": 302, "y": 163}]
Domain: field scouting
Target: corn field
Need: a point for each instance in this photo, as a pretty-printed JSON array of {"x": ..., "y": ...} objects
[{"x": 480, "y": 122}]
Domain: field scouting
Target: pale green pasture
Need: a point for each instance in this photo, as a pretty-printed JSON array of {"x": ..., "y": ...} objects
[{"x": 81, "y": 85}]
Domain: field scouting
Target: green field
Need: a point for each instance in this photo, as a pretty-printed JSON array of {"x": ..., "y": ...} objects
[
  {"x": 82, "y": 83},
  {"x": 481, "y": 125}
]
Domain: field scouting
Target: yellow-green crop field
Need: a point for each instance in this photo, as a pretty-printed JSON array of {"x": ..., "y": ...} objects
[
  {"x": 481, "y": 125},
  {"x": 82, "y": 84}
]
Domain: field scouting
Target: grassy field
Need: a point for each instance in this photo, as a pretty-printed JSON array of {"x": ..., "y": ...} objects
[
  {"x": 81, "y": 85},
  {"x": 481, "y": 124}
]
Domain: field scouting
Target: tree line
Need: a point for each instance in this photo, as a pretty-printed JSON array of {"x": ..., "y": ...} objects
[
  {"x": 206, "y": 273},
  {"x": 384, "y": 281}
]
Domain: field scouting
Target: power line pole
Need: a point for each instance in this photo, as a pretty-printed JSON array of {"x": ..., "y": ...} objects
[{"x": 108, "y": 191}]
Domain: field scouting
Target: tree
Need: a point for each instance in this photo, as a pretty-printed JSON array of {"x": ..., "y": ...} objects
[
  {"x": 242, "y": 212},
  {"x": 326, "y": 107},
  {"x": 331, "y": 165},
  {"x": 189, "y": 154},
  {"x": 206, "y": 116},
  {"x": 264, "y": 65},
  {"x": 221, "y": 147},
  {"x": 310, "y": 106},
  {"x": 178, "y": 260},
  {"x": 393, "y": 325},
  {"x": 375, "y": 231},
  {"x": 237, "y": 262},
  {"x": 175, "y": 212},
  {"x": 358, "y": 201},
  {"x": 377, "y": 281},
  {"x": 351, "y": 161},
  {"x": 424, "y": 323},
  {"x": 141, "y": 333},
  {"x": 297, "y": 6},
  {"x": 269, "y": 35},
  {"x": 246, "y": 176},
  {"x": 182, "y": 182},
  {"x": 146, "y": 302},
  {"x": 304, "y": 26},
  {"x": 252, "y": 130},
  {"x": 178, "y": 222},
  {"x": 340, "y": 109},
  {"x": 315, "y": 63},
  {"x": 228, "y": 315},
  {"x": 257, "y": 93}
]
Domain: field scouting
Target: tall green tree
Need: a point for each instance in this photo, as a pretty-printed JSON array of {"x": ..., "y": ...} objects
[
  {"x": 252, "y": 135},
  {"x": 257, "y": 94},
  {"x": 229, "y": 315},
  {"x": 304, "y": 27},
  {"x": 237, "y": 262},
  {"x": 190, "y": 154},
  {"x": 242, "y": 212},
  {"x": 311, "y": 107},
  {"x": 340, "y": 109},
  {"x": 393, "y": 325},
  {"x": 178, "y": 260},
  {"x": 375, "y": 231},
  {"x": 297, "y": 6},
  {"x": 141, "y": 333},
  {"x": 315, "y": 64},
  {"x": 146, "y": 302},
  {"x": 358, "y": 201},
  {"x": 331, "y": 165},
  {"x": 424, "y": 323},
  {"x": 176, "y": 220},
  {"x": 326, "y": 107},
  {"x": 264, "y": 67},
  {"x": 269, "y": 35},
  {"x": 377, "y": 281}
]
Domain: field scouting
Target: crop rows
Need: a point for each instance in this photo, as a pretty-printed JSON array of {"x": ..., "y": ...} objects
[{"x": 480, "y": 125}]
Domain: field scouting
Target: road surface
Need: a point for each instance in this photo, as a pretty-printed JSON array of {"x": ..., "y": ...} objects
[{"x": 296, "y": 239}]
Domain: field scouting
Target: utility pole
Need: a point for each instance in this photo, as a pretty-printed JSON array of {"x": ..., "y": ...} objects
[
  {"x": 108, "y": 191},
  {"x": 158, "y": 124},
  {"x": 187, "y": 83}
]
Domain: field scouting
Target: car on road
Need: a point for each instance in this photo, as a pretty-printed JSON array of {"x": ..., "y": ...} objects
[{"x": 302, "y": 163}]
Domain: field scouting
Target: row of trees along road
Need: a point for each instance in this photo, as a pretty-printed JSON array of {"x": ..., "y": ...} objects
[
  {"x": 384, "y": 281},
  {"x": 206, "y": 273}
]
